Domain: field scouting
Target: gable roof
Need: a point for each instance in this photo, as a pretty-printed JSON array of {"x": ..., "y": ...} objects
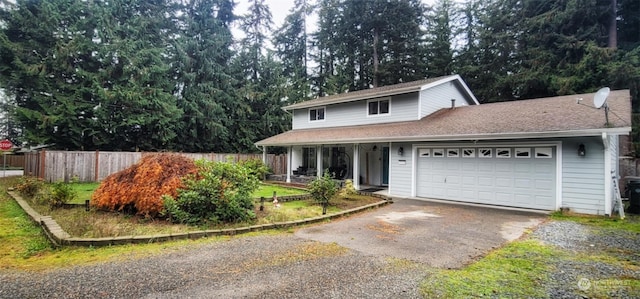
[
  {"x": 560, "y": 116},
  {"x": 383, "y": 91}
]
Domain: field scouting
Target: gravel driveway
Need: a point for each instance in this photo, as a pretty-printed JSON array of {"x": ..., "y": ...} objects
[{"x": 291, "y": 266}]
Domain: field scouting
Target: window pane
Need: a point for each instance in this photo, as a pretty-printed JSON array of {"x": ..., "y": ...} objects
[
  {"x": 384, "y": 106},
  {"x": 312, "y": 114},
  {"x": 373, "y": 108},
  {"x": 320, "y": 114}
]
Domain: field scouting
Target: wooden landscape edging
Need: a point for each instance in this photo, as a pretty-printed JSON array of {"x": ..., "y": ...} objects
[{"x": 58, "y": 237}]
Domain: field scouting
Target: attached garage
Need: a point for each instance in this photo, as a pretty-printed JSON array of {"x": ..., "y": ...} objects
[{"x": 523, "y": 176}]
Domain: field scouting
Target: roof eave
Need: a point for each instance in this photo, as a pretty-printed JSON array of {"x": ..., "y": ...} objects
[
  {"x": 474, "y": 137},
  {"x": 354, "y": 98}
]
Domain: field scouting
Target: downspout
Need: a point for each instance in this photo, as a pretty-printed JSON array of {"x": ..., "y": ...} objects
[{"x": 607, "y": 174}]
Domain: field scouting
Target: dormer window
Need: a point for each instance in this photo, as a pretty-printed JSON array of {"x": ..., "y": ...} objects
[
  {"x": 316, "y": 114},
  {"x": 378, "y": 107}
]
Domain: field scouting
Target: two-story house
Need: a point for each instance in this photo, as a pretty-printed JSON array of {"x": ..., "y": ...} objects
[{"x": 431, "y": 139}]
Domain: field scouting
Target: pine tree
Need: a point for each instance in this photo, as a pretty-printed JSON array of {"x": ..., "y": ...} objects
[
  {"x": 47, "y": 58},
  {"x": 291, "y": 48},
  {"x": 204, "y": 82},
  {"x": 135, "y": 85}
]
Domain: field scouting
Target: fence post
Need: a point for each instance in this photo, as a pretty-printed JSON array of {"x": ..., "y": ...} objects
[
  {"x": 43, "y": 159},
  {"x": 97, "y": 168}
]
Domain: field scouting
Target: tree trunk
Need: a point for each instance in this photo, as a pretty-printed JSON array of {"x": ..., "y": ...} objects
[
  {"x": 613, "y": 26},
  {"x": 376, "y": 37}
]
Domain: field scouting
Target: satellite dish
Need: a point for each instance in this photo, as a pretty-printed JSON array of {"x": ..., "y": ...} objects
[{"x": 600, "y": 99}]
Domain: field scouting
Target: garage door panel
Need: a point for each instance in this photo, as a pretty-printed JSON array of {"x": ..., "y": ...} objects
[
  {"x": 521, "y": 181},
  {"x": 453, "y": 179},
  {"x": 485, "y": 167},
  {"x": 485, "y": 181},
  {"x": 504, "y": 167},
  {"x": 454, "y": 193},
  {"x": 469, "y": 165},
  {"x": 469, "y": 181},
  {"x": 504, "y": 197},
  {"x": 503, "y": 182},
  {"x": 520, "y": 167},
  {"x": 469, "y": 194},
  {"x": 545, "y": 184},
  {"x": 523, "y": 199}
]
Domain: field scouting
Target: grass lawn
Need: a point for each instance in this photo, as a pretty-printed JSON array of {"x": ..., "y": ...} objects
[
  {"x": 85, "y": 190},
  {"x": 521, "y": 268},
  {"x": 267, "y": 191}
]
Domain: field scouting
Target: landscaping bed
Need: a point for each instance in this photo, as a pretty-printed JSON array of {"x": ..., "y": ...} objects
[{"x": 100, "y": 224}]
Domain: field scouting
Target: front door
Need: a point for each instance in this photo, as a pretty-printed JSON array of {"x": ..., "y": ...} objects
[{"x": 385, "y": 165}]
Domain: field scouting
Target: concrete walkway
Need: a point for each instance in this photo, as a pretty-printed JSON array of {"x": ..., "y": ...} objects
[{"x": 438, "y": 234}]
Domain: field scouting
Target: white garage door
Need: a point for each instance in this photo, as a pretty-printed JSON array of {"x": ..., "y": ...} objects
[{"x": 507, "y": 176}]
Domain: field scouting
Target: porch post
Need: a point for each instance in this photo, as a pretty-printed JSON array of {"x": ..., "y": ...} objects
[
  {"x": 320, "y": 171},
  {"x": 289, "y": 153},
  {"x": 264, "y": 159},
  {"x": 356, "y": 166}
]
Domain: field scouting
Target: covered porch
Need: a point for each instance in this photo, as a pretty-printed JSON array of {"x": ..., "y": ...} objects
[{"x": 366, "y": 164}]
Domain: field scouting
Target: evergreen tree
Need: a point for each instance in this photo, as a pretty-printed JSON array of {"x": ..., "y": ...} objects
[
  {"x": 136, "y": 86},
  {"x": 47, "y": 64},
  {"x": 291, "y": 48},
  {"x": 440, "y": 34},
  {"x": 204, "y": 82},
  {"x": 257, "y": 112},
  {"x": 361, "y": 44}
]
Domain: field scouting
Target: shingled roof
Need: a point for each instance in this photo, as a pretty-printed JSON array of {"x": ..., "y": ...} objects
[
  {"x": 560, "y": 116},
  {"x": 374, "y": 92}
]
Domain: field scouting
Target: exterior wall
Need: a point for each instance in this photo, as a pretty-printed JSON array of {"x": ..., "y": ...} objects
[
  {"x": 438, "y": 97},
  {"x": 402, "y": 108},
  {"x": 371, "y": 163},
  {"x": 614, "y": 151},
  {"x": 401, "y": 170},
  {"x": 296, "y": 157},
  {"x": 583, "y": 182}
]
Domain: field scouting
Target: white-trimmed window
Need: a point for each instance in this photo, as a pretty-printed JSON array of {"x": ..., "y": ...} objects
[
  {"x": 544, "y": 153},
  {"x": 316, "y": 114},
  {"x": 453, "y": 153},
  {"x": 424, "y": 152},
  {"x": 438, "y": 152},
  {"x": 503, "y": 153},
  {"x": 469, "y": 153},
  {"x": 378, "y": 107},
  {"x": 485, "y": 153},
  {"x": 523, "y": 152}
]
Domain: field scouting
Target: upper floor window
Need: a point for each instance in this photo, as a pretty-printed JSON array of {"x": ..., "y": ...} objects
[
  {"x": 378, "y": 107},
  {"x": 316, "y": 114}
]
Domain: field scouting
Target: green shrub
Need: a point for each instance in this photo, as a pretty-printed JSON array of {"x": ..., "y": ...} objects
[
  {"x": 220, "y": 192},
  {"x": 323, "y": 189},
  {"x": 347, "y": 189},
  {"x": 255, "y": 167},
  {"x": 29, "y": 186},
  {"x": 61, "y": 193}
]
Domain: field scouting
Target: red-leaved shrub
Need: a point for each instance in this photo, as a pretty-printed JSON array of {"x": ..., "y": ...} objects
[{"x": 140, "y": 187}]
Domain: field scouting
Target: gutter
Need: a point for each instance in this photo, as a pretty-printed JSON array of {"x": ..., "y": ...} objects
[{"x": 470, "y": 137}]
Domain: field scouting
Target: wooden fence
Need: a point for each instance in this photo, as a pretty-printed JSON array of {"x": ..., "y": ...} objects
[
  {"x": 53, "y": 166},
  {"x": 15, "y": 161}
]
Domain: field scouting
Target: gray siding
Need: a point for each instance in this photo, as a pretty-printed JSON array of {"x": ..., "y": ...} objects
[
  {"x": 402, "y": 108},
  {"x": 583, "y": 177},
  {"x": 400, "y": 170},
  {"x": 438, "y": 97}
]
